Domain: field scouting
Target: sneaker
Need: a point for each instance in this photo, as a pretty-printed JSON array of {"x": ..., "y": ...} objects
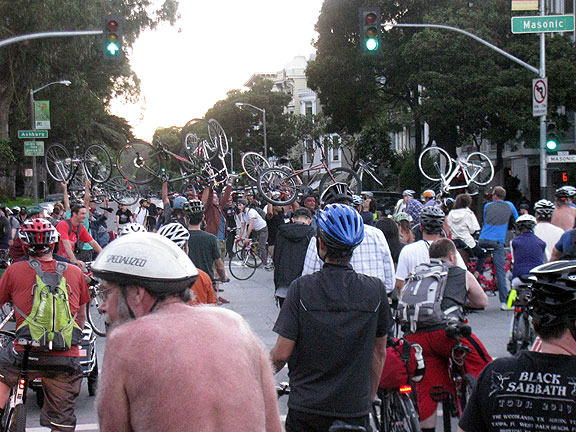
[
  {"x": 503, "y": 306},
  {"x": 269, "y": 266},
  {"x": 222, "y": 300}
]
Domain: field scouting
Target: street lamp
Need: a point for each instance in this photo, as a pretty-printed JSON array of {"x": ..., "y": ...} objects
[
  {"x": 263, "y": 111},
  {"x": 33, "y": 127}
]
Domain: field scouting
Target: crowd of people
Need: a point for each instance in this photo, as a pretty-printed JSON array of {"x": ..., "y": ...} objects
[{"x": 337, "y": 265}]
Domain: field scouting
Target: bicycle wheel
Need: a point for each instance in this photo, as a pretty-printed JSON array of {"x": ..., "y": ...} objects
[
  {"x": 122, "y": 191},
  {"x": 522, "y": 334},
  {"x": 17, "y": 419},
  {"x": 479, "y": 168},
  {"x": 398, "y": 413},
  {"x": 139, "y": 162},
  {"x": 220, "y": 134},
  {"x": 465, "y": 391},
  {"x": 95, "y": 318},
  {"x": 435, "y": 163},
  {"x": 97, "y": 163},
  {"x": 58, "y": 162},
  {"x": 277, "y": 186},
  {"x": 447, "y": 406},
  {"x": 242, "y": 264},
  {"x": 342, "y": 175},
  {"x": 200, "y": 140},
  {"x": 254, "y": 164}
]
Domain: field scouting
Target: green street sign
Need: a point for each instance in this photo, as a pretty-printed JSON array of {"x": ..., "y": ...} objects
[
  {"x": 543, "y": 24},
  {"x": 32, "y": 134},
  {"x": 33, "y": 148}
]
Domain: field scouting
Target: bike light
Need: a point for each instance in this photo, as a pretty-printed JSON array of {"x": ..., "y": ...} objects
[
  {"x": 22, "y": 384},
  {"x": 405, "y": 389}
]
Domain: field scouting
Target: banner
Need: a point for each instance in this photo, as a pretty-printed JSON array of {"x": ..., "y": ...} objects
[
  {"x": 525, "y": 5},
  {"x": 42, "y": 115}
]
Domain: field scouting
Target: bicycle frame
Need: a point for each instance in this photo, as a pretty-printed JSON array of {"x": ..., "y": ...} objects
[{"x": 460, "y": 167}]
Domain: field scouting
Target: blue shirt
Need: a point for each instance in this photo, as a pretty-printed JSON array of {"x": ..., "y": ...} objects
[
  {"x": 565, "y": 241},
  {"x": 496, "y": 216},
  {"x": 529, "y": 252}
]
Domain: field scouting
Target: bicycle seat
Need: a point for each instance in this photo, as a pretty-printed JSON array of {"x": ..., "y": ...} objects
[
  {"x": 27, "y": 342},
  {"x": 339, "y": 425}
]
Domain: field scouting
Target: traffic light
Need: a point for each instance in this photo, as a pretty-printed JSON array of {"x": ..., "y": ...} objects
[
  {"x": 370, "y": 30},
  {"x": 112, "y": 41},
  {"x": 551, "y": 139}
]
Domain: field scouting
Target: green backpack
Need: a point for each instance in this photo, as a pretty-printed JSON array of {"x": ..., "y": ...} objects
[{"x": 50, "y": 325}]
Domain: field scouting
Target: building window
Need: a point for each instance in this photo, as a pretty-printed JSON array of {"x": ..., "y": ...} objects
[
  {"x": 308, "y": 109},
  {"x": 308, "y": 151},
  {"x": 336, "y": 148}
]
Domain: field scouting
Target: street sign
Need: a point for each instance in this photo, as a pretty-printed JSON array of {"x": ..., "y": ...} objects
[
  {"x": 539, "y": 97},
  {"x": 561, "y": 159},
  {"x": 32, "y": 134},
  {"x": 543, "y": 24},
  {"x": 33, "y": 148},
  {"x": 28, "y": 172}
]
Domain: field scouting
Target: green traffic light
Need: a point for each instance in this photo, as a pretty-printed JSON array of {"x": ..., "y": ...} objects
[
  {"x": 551, "y": 145},
  {"x": 112, "y": 48},
  {"x": 371, "y": 44}
]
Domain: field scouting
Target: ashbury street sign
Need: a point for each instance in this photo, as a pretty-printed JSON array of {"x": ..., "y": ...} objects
[{"x": 543, "y": 24}]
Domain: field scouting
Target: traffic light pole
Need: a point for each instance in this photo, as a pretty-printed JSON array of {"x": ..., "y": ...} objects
[{"x": 541, "y": 72}]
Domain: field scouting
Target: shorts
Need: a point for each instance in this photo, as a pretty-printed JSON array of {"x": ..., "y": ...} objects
[
  {"x": 61, "y": 383},
  {"x": 436, "y": 348},
  {"x": 222, "y": 248}
]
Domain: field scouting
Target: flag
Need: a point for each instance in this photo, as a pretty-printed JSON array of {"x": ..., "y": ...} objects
[{"x": 524, "y": 5}]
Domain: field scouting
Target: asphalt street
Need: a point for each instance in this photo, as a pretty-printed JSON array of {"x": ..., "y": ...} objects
[{"x": 254, "y": 300}]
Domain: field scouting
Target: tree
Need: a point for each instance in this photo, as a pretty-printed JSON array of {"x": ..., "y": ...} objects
[{"x": 79, "y": 113}]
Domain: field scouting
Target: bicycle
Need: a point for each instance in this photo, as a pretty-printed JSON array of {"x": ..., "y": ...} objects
[
  {"x": 454, "y": 401},
  {"x": 395, "y": 409},
  {"x": 254, "y": 164},
  {"x": 281, "y": 187},
  {"x": 95, "y": 163},
  {"x": 244, "y": 262},
  {"x": 521, "y": 332},
  {"x": 14, "y": 415},
  {"x": 119, "y": 190},
  {"x": 96, "y": 319},
  {"x": 436, "y": 164},
  {"x": 368, "y": 168}
]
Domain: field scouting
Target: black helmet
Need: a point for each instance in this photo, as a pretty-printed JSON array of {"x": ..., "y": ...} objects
[
  {"x": 565, "y": 192},
  {"x": 432, "y": 219},
  {"x": 544, "y": 208},
  {"x": 553, "y": 297},
  {"x": 336, "y": 193},
  {"x": 193, "y": 207}
]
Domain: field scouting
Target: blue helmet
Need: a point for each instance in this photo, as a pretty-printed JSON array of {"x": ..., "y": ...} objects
[
  {"x": 340, "y": 227},
  {"x": 178, "y": 202}
]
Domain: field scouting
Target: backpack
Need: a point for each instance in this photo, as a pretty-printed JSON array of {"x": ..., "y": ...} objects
[
  {"x": 50, "y": 325},
  {"x": 79, "y": 245},
  {"x": 260, "y": 211},
  {"x": 419, "y": 306}
]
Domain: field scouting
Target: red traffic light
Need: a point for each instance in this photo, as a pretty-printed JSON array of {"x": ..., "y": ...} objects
[
  {"x": 370, "y": 18},
  {"x": 112, "y": 25}
]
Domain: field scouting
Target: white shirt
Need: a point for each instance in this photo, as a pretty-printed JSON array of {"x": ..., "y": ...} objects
[
  {"x": 414, "y": 254},
  {"x": 463, "y": 224},
  {"x": 259, "y": 223},
  {"x": 140, "y": 215},
  {"x": 550, "y": 234},
  {"x": 372, "y": 257}
]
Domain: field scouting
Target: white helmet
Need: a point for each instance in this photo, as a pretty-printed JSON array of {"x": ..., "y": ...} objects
[
  {"x": 176, "y": 232},
  {"x": 132, "y": 228},
  {"x": 526, "y": 221},
  {"x": 146, "y": 259}
]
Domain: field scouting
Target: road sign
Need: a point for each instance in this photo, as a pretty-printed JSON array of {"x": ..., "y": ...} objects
[
  {"x": 561, "y": 159},
  {"x": 543, "y": 24},
  {"x": 32, "y": 134},
  {"x": 33, "y": 148},
  {"x": 539, "y": 96}
]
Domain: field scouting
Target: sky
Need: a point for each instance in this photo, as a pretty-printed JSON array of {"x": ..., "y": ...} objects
[{"x": 215, "y": 47}]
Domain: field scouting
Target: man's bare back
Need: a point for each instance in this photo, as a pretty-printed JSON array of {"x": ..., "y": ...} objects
[
  {"x": 564, "y": 217},
  {"x": 216, "y": 377}
]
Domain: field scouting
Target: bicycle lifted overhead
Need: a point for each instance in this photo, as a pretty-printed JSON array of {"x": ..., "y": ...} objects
[
  {"x": 95, "y": 163},
  {"x": 436, "y": 164}
]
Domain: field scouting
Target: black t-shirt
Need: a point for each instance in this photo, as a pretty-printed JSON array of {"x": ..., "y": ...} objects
[
  {"x": 334, "y": 316},
  {"x": 203, "y": 250},
  {"x": 230, "y": 215},
  {"x": 124, "y": 216},
  {"x": 528, "y": 392}
]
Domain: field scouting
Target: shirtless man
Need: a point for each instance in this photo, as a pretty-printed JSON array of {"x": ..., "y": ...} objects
[
  {"x": 564, "y": 214},
  {"x": 168, "y": 366}
]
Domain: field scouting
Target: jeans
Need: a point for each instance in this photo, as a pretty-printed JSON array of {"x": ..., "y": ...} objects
[{"x": 499, "y": 259}]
